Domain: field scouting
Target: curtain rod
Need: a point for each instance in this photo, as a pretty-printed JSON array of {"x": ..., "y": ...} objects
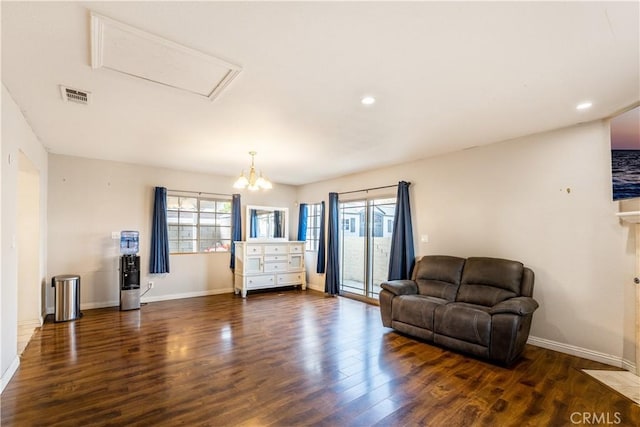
[
  {"x": 369, "y": 189},
  {"x": 200, "y": 192}
]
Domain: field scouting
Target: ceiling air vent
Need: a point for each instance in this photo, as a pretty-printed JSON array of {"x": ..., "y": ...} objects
[{"x": 75, "y": 95}]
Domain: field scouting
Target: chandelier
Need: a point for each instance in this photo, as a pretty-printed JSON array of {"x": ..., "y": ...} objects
[{"x": 253, "y": 182}]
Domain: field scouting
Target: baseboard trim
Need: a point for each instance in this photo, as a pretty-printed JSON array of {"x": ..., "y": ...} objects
[
  {"x": 585, "y": 353},
  {"x": 31, "y": 324},
  {"x": 8, "y": 374},
  {"x": 319, "y": 288},
  {"x": 186, "y": 295},
  {"x": 103, "y": 304},
  {"x": 628, "y": 365}
]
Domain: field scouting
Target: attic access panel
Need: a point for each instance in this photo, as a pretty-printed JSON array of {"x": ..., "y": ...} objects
[{"x": 128, "y": 50}]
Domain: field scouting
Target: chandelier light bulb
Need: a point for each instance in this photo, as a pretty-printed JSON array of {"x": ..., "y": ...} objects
[
  {"x": 253, "y": 182},
  {"x": 241, "y": 182}
]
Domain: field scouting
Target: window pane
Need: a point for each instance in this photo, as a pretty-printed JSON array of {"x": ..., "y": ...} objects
[
  {"x": 223, "y": 233},
  {"x": 173, "y": 232},
  {"x": 223, "y": 245},
  {"x": 188, "y": 218},
  {"x": 223, "y": 206},
  {"x": 224, "y": 219},
  {"x": 173, "y": 246},
  {"x": 187, "y": 232},
  {"x": 188, "y": 203},
  {"x": 207, "y": 218},
  {"x": 173, "y": 202},
  {"x": 188, "y": 246},
  {"x": 207, "y": 245},
  {"x": 206, "y": 232},
  {"x": 207, "y": 206},
  {"x": 172, "y": 217}
]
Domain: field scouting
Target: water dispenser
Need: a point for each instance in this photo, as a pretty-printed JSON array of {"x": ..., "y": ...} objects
[{"x": 129, "y": 271}]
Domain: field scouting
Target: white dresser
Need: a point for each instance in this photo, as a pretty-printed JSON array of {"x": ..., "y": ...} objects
[{"x": 262, "y": 265}]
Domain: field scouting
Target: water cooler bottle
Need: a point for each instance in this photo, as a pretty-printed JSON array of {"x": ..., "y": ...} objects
[{"x": 129, "y": 271}]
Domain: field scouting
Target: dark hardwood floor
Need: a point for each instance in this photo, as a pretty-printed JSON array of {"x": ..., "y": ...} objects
[{"x": 288, "y": 358}]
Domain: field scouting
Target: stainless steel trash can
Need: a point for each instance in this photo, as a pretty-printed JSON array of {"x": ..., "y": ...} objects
[{"x": 67, "y": 297}]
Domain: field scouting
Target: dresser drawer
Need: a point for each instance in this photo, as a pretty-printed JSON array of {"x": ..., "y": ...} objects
[
  {"x": 257, "y": 282},
  {"x": 290, "y": 278},
  {"x": 296, "y": 249},
  {"x": 275, "y": 249},
  {"x": 254, "y": 249},
  {"x": 274, "y": 258},
  {"x": 274, "y": 267}
]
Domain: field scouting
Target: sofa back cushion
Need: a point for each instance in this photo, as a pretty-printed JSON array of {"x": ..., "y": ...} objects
[
  {"x": 487, "y": 281},
  {"x": 439, "y": 276}
]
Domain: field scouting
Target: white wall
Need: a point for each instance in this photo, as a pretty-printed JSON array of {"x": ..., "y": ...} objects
[
  {"x": 16, "y": 136},
  {"x": 88, "y": 199},
  {"x": 29, "y": 238},
  {"x": 544, "y": 200}
]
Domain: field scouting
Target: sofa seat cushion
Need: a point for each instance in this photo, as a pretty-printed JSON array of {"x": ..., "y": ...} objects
[
  {"x": 467, "y": 322},
  {"x": 417, "y": 310}
]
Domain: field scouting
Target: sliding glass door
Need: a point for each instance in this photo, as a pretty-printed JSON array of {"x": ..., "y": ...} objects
[
  {"x": 353, "y": 247},
  {"x": 366, "y": 227}
]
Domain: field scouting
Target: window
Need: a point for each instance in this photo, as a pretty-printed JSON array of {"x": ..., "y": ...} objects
[
  {"x": 314, "y": 211},
  {"x": 198, "y": 224}
]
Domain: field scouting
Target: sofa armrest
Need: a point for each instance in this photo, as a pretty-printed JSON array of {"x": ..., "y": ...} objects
[
  {"x": 521, "y": 306},
  {"x": 400, "y": 287}
]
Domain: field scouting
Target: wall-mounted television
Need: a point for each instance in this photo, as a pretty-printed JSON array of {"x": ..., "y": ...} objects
[{"x": 625, "y": 154}]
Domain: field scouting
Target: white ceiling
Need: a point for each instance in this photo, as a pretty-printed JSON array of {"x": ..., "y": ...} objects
[{"x": 446, "y": 75}]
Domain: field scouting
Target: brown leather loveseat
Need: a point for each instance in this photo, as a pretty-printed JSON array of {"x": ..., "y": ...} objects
[{"x": 480, "y": 306}]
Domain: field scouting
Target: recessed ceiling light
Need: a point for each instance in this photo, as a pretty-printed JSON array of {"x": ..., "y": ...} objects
[
  {"x": 584, "y": 105},
  {"x": 368, "y": 100}
]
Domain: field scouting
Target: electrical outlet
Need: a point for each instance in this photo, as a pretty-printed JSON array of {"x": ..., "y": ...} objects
[
  {"x": 150, "y": 285},
  {"x": 115, "y": 235}
]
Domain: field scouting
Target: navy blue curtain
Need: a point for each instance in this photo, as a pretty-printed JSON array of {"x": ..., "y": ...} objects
[
  {"x": 401, "y": 256},
  {"x": 302, "y": 223},
  {"x": 236, "y": 227},
  {"x": 277, "y": 224},
  {"x": 253, "y": 227},
  {"x": 332, "y": 278},
  {"x": 159, "y": 259},
  {"x": 321, "y": 244}
]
